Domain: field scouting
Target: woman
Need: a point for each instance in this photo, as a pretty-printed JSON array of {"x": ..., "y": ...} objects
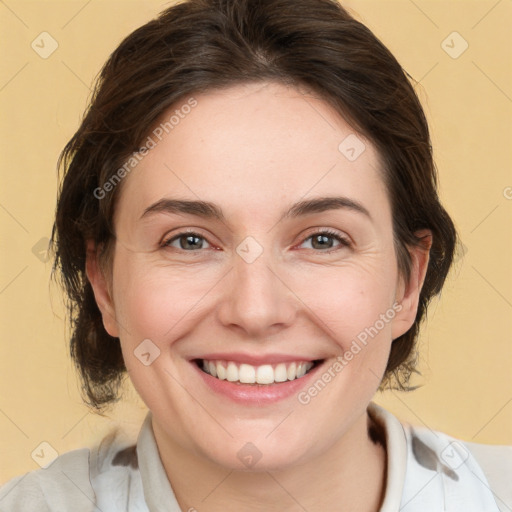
[{"x": 249, "y": 227}]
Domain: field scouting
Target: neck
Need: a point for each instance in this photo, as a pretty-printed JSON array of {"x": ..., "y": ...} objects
[{"x": 349, "y": 476}]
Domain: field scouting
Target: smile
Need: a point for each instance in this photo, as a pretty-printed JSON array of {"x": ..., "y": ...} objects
[{"x": 263, "y": 374}]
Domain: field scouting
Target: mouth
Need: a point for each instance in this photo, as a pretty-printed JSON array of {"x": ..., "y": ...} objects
[{"x": 263, "y": 374}]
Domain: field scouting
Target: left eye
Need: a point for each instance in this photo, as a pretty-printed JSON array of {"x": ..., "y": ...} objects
[
  {"x": 324, "y": 240},
  {"x": 187, "y": 241}
]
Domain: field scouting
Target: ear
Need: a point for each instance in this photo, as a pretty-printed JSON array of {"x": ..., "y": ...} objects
[
  {"x": 101, "y": 290},
  {"x": 409, "y": 293}
]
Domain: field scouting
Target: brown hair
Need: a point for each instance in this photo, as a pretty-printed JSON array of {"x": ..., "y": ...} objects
[{"x": 201, "y": 45}]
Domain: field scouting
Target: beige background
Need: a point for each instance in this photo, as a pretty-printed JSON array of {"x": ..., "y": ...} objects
[{"x": 466, "y": 346}]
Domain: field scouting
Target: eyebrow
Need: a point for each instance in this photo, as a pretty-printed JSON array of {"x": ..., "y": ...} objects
[{"x": 209, "y": 210}]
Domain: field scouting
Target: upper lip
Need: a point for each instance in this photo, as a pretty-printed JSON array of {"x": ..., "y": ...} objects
[{"x": 255, "y": 359}]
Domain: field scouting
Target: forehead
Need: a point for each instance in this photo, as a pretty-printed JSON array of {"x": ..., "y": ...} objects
[{"x": 252, "y": 149}]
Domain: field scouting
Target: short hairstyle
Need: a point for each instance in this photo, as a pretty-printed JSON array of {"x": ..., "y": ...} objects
[{"x": 198, "y": 46}]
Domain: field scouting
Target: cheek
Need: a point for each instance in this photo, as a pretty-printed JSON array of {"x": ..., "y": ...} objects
[
  {"x": 351, "y": 302},
  {"x": 157, "y": 301}
]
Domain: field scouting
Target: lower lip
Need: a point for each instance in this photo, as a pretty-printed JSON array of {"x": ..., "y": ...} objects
[{"x": 256, "y": 394}]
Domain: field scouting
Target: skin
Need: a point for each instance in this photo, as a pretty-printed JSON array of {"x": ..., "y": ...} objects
[{"x": 254, "y": 150}]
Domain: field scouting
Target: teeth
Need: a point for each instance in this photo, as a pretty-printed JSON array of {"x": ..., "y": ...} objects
[
  {"x": 280, "y": 374},
  {"x": 247, "y": 374},
  {"x": 264, "y": 374},
  {"x": 291, "y": 371},
  {"x": 221, "y": 372},
  {"x": 232, "y": 372},
  {"x": 212, "y": 368}
]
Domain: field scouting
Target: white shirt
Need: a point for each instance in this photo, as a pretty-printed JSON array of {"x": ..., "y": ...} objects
[{"x": 427, "y": 471}]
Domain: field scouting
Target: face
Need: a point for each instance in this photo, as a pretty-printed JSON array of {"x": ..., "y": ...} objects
[{"x": 255, "y": 240}]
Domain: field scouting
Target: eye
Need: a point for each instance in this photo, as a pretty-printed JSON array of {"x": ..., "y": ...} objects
[
  {"x": 325, "y": 240},
  {"x": 186, "y": 241},
  {"x": 322, "y": 241}
]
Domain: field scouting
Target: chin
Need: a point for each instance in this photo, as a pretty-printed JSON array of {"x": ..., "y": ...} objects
[
  {"x": 250, "y": 459},
  {"x": 259, "y": 455}
]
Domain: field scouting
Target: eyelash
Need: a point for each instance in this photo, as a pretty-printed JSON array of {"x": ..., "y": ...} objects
[{"x": 343, "y": 241}]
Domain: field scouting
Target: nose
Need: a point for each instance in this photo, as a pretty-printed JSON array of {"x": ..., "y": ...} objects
[{"x": 257, "y": 301}]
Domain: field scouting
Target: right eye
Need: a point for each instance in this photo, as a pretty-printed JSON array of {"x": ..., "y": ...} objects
[{"x": 186, "y": 241}]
